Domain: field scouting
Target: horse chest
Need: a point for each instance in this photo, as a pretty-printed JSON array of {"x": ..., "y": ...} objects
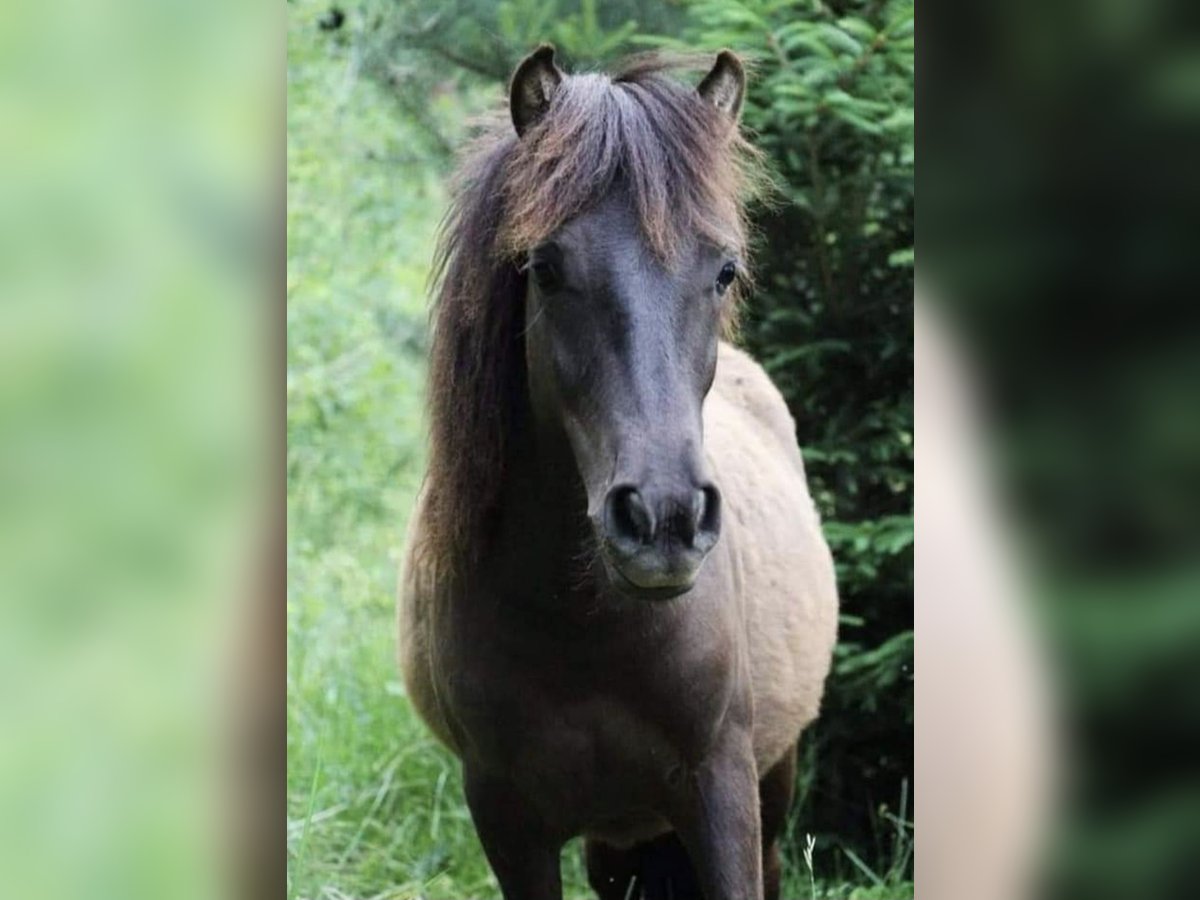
[
  {"x": 593, "y": 738},
  {"x": 588, "y": 764}
]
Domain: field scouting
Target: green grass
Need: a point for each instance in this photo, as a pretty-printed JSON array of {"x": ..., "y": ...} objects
[{"x": 375, "y": 806}]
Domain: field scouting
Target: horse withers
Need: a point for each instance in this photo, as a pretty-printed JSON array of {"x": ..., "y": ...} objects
[{"x": 617, "y": 606}]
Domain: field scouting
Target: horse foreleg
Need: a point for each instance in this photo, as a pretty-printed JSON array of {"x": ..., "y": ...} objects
[
  {"x": 775, "y": 794},
  {"x": 718, "y": 821},
  {"x": 525, "y": 859}
]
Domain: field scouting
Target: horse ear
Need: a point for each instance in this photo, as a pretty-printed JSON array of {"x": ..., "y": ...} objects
[
  {"x": 532, "y": 87},
  {"x": 725, "y": 86}
]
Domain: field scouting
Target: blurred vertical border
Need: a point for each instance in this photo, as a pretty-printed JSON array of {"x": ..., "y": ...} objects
[
  {"x": 141, "y": 541},
  {"x": 1060, "y": 227}
]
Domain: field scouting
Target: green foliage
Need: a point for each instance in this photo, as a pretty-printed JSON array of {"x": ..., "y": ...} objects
[
  {"x": 423, "y": 48},
  {"x": 578, "y": 33}
]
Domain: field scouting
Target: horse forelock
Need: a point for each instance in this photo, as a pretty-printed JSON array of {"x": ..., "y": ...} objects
[
  {"x": 683, "y": 162},
  {"x": 687, "y": 171}
]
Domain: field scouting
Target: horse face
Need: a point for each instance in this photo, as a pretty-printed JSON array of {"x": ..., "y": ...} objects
[{"x": 622, "y": 350}]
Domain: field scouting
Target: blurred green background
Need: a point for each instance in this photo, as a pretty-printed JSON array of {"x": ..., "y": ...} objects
[
  {"x": 379, "y": 95},
  {"x": 132, "y": 463},
  {"x": 1059, "y": 224}
]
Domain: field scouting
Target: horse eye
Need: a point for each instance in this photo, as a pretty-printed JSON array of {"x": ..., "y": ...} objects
[
  {"x": 725, "y": 278},
  {"x": 544, "y": 274}
]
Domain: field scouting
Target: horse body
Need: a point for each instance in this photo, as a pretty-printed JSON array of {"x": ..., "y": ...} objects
[
  {"x": 596, "y": 705},
  {"x": 600, "y": 662}
]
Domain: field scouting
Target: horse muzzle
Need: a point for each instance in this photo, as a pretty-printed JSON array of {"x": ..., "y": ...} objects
[{"x": 654, "y": 541}]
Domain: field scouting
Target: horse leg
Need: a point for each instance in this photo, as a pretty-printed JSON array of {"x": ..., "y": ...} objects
[
  {"x": 775, "y": 797},
  {"x": 658, "y": 869},
  {"x": 718, "y": 820},
  {"x": 523, "y": 856},
  {"x": 661, "y": 869}
]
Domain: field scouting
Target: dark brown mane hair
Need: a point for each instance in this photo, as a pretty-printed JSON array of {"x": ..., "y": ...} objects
[{"x": 688, "y": 172}]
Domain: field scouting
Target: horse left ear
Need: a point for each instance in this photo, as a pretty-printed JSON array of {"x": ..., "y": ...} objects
[
  {"x": 725, "y": 86},
  {"x": 532, "y": 87}
]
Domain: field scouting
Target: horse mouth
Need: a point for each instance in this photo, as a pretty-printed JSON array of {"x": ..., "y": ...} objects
[{"x": 632, "y": 589}]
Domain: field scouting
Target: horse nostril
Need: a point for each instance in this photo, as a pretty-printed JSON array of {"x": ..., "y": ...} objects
[
  {"x": 628, "y": 519},
  {"x": 696, "y": 519},
  {"x": 699, "y": 501},
  {"x": 634, "y": 521},
  {"x": 708, "y": 520},
  {"x": 685, "y": 522}
]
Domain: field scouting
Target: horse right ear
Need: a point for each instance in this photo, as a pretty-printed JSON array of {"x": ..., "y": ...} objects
[
  {"x": 532, "y": 88},
  {"x": 725, "y": 86}
]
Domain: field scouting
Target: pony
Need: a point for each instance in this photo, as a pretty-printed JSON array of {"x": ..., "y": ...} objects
[{"x": 617, "y": 607}]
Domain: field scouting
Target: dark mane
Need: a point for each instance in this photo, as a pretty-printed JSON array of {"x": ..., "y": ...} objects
[{"x": 687, "y": 170}]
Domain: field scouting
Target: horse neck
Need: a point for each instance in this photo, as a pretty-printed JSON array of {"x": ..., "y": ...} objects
[{"x": 543, "y": 535}]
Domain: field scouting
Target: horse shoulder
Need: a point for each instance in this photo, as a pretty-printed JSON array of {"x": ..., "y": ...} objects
[{"x": 744, "y": 385}]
